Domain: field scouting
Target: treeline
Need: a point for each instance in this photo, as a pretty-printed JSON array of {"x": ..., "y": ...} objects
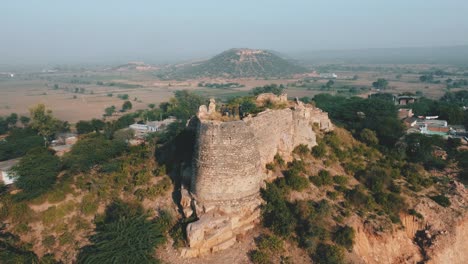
[
  {"x": 356, "y": 114},
  {"x": 220, "y": 85}
]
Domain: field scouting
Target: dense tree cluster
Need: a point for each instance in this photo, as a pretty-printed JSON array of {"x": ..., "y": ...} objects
[
  {"x": 36, "y": 172},
  {"x": 92, "y": 150},
  {"x": 357, "y": 114},
  {"x": 271, "y": 88},
  {"x": 18, "y": 142}
]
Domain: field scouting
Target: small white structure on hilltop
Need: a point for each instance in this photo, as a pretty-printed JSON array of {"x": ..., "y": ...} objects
[{"x": 5, "y": 174}]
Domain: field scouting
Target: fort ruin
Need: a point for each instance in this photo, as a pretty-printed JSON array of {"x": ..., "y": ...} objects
[{"x": 228, "y": 167}]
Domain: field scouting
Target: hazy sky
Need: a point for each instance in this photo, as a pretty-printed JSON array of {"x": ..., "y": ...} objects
[{"x": 60, "y": 31}]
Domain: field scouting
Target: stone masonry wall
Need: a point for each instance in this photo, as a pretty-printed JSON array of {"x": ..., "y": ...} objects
[
  {"x": 226, "y": 163},
  {"x": 228, "y": 169}
]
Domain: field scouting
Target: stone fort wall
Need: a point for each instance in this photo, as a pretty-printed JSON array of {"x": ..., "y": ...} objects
[
  {"x": 228, "y": 169},
  {"x": 226, "y": 163}
]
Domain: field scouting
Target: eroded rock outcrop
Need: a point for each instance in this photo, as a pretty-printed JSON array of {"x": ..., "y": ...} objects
[
  {"x": 438, "y": 236},
  {"x": 229, "y": 167}
]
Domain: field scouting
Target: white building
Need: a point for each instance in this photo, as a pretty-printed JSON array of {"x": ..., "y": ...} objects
[
  {"x": 151, "y": 126},
  {"x": 5, "y": 175},
  {"x": 327, "y": 75},
  {"x": 143, "y": 128}
]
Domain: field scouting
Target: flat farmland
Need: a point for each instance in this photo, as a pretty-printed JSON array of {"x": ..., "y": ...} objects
[{"x": 84, "y": 94}]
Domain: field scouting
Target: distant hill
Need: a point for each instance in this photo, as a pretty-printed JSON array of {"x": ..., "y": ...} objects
[
  {"x": 454, "y": 55},
  {"x": 240, "y": 63},
  {"x": 134, "y": 66}
]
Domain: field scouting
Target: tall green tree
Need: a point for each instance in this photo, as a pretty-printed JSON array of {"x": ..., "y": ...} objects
[
  {"x": 44, "y": 122},
  {"x": 36, "y": 172},
  {"x": 380, "y": 84},
  {"x": 184, "y": 104},
  {"x": 84, "y": 127},
  {"x": 127, "y": 105}
]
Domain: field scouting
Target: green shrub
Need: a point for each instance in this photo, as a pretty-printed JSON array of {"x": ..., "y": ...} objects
[
  {"x": 66, "y": 238},
  {"x": 20, "y": 212},
  {"x": 270, "y": 166},
  {"x": 56, "y": 196},
  {"x": 344, "y": 236},
  {"x": 413, "y": 212},
  {"x": 275, "y": 213},
  {"x": 391, "y": 203},
  {"x": 296, "y": 182},
  {"x": 332, "y": 195},
  {"x": 328, "y": 254},
  {"x": 80, "y": 223},
  {"x": 48, "y": 259},
  {"x": 48, "y": 241},
  {"x": 111, "y": 166},
  {"x": 323, "y": 178},
  {"x": 163, "y": 186},
  {"x": 320, "y": 150},
  {"x": 141, "y": 178},
  {"x": 123, "y": 236},
  {"x": 340, "y": 180},
  {"x": 22, "y": 228},
  {"x": 260, "y": 257},
  {"x": 301, "y": 149},
  {"x": 395, "y": 188},
  {"x": 89, "y": 204},
  {"x": 359, "y": 199},
  {"x": 161, "y": 170},
  {"x": 279, "y": 160},
  {"x": 55, "y": 213},
  {"x": 271, "y": 243},
  {"x": 442, "y": 200}
]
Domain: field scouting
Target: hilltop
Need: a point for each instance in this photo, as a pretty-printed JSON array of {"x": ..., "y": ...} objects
[{"x": 240, "y": 63}]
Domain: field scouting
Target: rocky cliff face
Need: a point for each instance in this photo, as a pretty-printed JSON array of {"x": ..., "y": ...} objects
[
  {"x": 439, "y": 237},
  {"x": 229, "y": 169}
]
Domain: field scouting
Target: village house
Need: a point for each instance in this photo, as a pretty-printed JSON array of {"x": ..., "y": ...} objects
[
  {"x": 425, "y": 125},
  {"x": 63, "y": 143},
  {"x": 141, "y": 130},
  {"x": 405, "y": 113},
  {"x": 6, "y": 176},
  {"x": 405, "y": 99}
]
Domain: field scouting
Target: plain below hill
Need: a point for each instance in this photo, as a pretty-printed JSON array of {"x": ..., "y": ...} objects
[
  {"x": 238, "y": 63},
  {"x": 450, "y": 55}
]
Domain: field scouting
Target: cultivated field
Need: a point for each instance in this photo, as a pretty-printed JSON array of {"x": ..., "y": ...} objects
[{"x": 75, "y": 95}]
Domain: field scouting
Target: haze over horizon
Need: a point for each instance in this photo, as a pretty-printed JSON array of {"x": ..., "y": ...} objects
[{"x": 52, "y": 31}]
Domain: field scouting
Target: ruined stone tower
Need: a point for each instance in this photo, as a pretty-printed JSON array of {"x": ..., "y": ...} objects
[{"x": 228, "y": 167}]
